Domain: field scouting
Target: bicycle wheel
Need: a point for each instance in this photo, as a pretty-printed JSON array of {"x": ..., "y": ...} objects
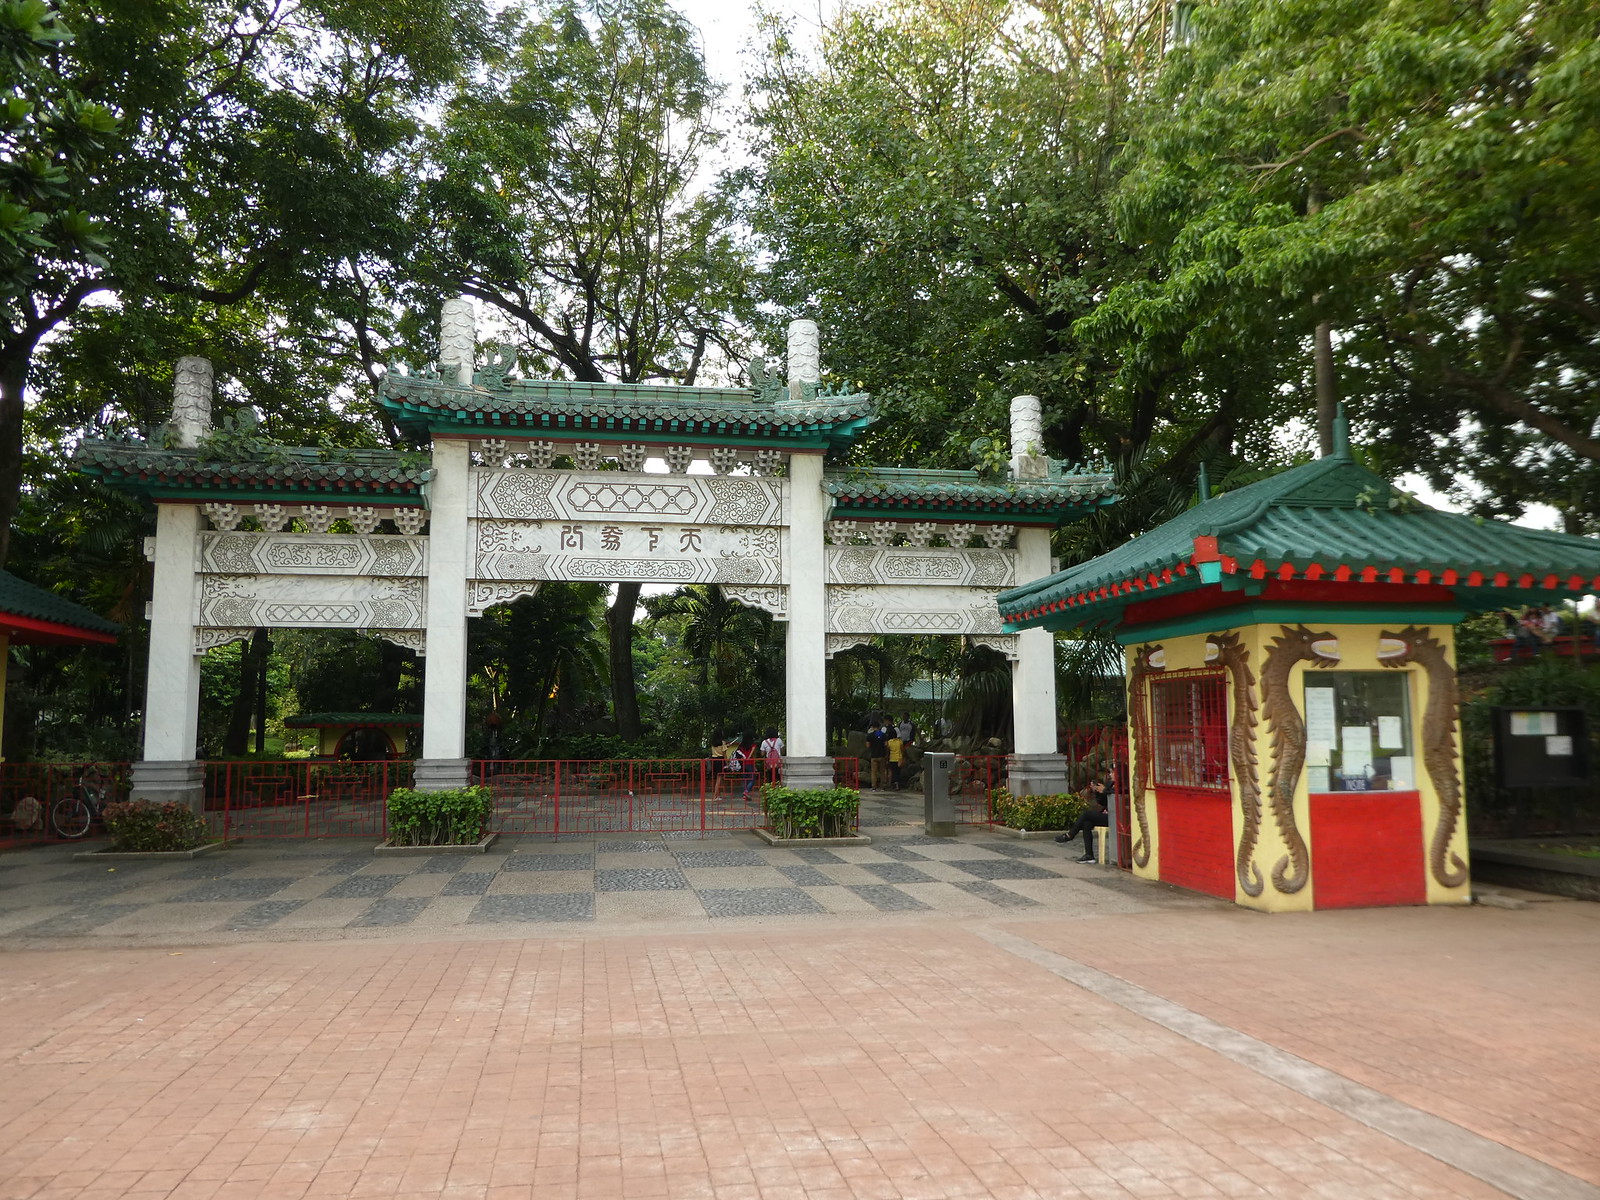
[{"x": 71, "y": 817}]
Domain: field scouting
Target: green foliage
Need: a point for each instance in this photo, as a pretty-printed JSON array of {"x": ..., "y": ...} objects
[
  {"x": 457, "y": 817},
  {"x": 1035, "y": 812},
  {"x": 819, "y": 813},
  {"x": 144, "y": 825}
]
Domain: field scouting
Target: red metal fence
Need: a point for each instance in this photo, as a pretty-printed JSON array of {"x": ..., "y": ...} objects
[
  {"x": 39, "y": 802},
  {"x": 302, "y": 798}
]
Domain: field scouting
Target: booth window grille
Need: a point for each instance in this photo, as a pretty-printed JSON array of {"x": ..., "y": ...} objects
[{"x": 1189, "y": 728}]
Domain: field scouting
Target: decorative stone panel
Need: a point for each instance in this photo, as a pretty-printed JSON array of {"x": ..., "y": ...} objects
[
  {"x": 243, "y": 553},
  {"x": 910, "y": 565},
  {"x": 931, "y": 609},
  {"x": 310, "y": 602},
  {"x": 610, "y": 550},
  {"x": 624, "y": 496}
]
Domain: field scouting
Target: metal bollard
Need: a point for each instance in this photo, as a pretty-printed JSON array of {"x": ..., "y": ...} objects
[{"x": 938, "y": 810}]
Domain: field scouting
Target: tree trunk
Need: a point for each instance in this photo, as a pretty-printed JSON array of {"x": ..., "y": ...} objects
[
  {"x": 13, "y": 385},
  {"x": 1327, "y": 387},
  {"x": 261, "y": 646},
  {"x": 624, "y": 691},
  {"x": 237, "y": 739}
]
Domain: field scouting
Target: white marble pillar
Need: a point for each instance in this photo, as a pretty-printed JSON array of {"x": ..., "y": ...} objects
[
  {"x": 807, "y": 764},
  {"x": 443, "y": 764},
  {"x": 458, "y": 338},
  {"x": 170, "y": 770},
  {"x": 804, "y": 360},
  {"x": 1036, "y": 767}
]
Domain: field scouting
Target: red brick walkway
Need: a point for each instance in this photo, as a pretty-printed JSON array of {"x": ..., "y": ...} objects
[{"x": 896, "y": 1059}]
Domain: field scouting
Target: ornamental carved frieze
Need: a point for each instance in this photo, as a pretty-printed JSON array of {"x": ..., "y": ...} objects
[
  {"x": 615, "y": 550},
  {"x": 925, "y": 565},
  {"x": 242, "y": 553},
  {"x": 774, "y": 600},
  {"x": 626, "y": 496},
  {"x": 898, "y": 608},
  {"x": 310, "y": 602}
]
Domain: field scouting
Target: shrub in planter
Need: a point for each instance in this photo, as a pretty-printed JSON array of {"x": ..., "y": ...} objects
[
  {"x": 1035, "y": 812},
  {"x": 456, "y": 817},
  {"x": 821, "y": 813},
  {"x": 142, "y": 826}
]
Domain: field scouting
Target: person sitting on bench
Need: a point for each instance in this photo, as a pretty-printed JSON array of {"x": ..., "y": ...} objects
[{"x": 1093, "y": 817}]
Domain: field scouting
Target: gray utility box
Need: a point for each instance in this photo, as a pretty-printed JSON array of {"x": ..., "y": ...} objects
[{"x": 938, "y": 810}]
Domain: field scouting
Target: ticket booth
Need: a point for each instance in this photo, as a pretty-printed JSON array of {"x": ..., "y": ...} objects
[{"x": 1292, "y": 699}]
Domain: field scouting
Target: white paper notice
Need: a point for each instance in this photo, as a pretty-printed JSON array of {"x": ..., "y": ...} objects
[
  {"x": 1558, "y": 747},
  {"x": 1389, "y": 732},
  {"x": 1533, "y": 724},
  {"x": 1402, "y": 772},
  {"x": 1355, "y": 746},
  {"x": 1317, "y": 779},
  {"x": 1320, "y": 725},
  {"x": 1317, "y": 754}
]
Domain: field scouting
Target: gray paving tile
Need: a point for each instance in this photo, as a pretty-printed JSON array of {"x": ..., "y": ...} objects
[
  {"x": 1000, "y": 868},
  {"x": 886, "y": 897},
  {"x": 213, "y": 866},
  {"x": 549, "y": 862},
  {"x": 78, "y": 920},
  {"x": 633, "y": 879},
  {"x": 897, "y": 872},
  {"x": 392, "y": 910},
  {"x": 358, "y": 886},
  {"x": 807, "y": 876},
  {"x": 720, "y": 858},
  {"x": 264, "y": 914},
  {"x": 347, "y": 864},
  {"x": 758, "y": 902},
  {"x": 442, "y": 864},
  {"x": 996, "y": 894},
  {"x": 469, "y": 883},
  {"x": 815, "y": 854},
  {"x": 627, "y": 846},
  {"x": 233, "y": 889},
  {"x": 1018, "y": 850},
  {"x": 899, "y": 852},
  {"x": 698, "y": 835},
  {"x": 540, "y": 906}
]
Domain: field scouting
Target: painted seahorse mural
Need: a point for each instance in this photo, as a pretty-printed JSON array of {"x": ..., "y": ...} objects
[
  {"x": 1288, "y": 729},
  {"x": 1227, "y": 650},
  {"x": 1413, "y": 645},
  {"x": 1147, "y": 661}
]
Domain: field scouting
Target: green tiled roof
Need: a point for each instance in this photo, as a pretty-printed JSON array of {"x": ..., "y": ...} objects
[
  {"x": 304, "y": 475},
  {"x": 1328, "y": 520},
  {"x": 19, "y": 599},
  {"x": 320, "y": 720},
  {"x": 881, "y": 491},
  {"x": 425, "y": 404}
]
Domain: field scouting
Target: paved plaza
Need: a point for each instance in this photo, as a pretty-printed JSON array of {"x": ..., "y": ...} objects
[{"x": 683, "y": 1017}]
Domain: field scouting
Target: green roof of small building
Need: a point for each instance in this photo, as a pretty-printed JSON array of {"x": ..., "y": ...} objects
[
  {"x": 300, "y": 474},
  {"x": 495, "y": 406},
  {"x": 1331, "y": 520},
  {"x": 958, "y": 495},
  {"x": 35, "y": 604},
  {"x": 328, "y": 720}
]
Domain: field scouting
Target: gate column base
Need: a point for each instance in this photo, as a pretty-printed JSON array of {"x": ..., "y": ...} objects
[
  {"x": 808, "y": 773},
  {"x": 1036, "y": 774},
  {"x": 441, "y": 774},
  {"x": 181, "y": 782}
]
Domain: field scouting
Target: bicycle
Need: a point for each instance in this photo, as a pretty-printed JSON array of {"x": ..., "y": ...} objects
[{"x": 73, "y": 815}]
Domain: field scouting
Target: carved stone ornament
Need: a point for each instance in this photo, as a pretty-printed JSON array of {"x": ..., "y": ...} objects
[
  {"x": 222, "y": 516},
  {"x": 920, "y": 534},
  {"x": 840, "y": 532},
  {"x": 773, "y": 599},
  {"x": 1006, "y": 643},
  {"x": 362, "y": 520},
  {"x": 724, "y": 459},
  {"x": 493, "y": 452},
  {"x": 210, "y": 639},
  {"x": 409, "y": 521},
  {"x": 632, "y": 456},
  {"x": 882, "y": 533},
  {"x": 191, "y": 399},
  {"x": 960, "y": 535},
  {"x": 678, "y": 459},
  {"x": 769, "y": 462},
  {"x": 316, "y": 518},
  {"x": 483, "y": 595},
  {"x": 409, "y": 639},
  {"x": 844, "y": 641},
  {"x": 586, "y": 456},
  {"x": 272, "y": 517},
  {"x": 541, "y": 454},
  {"x": 996, "y": 537}
]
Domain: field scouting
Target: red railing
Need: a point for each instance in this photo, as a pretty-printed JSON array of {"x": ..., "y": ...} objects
[
  {"x": 847, "y": 772},
  {"x": 302, "y": 798},
  {"x": 972, "y": 778},
  {"x": 1564, "y": 645},
  {"x": 38, "y": 801}
]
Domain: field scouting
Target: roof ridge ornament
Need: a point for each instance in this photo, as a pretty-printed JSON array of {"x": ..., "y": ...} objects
[
  {"x": 1341, "y": 436},
  {"x": 495, "y": 373}
]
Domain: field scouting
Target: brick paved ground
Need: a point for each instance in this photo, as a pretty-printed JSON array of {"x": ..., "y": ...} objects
[{"x": 873, "y": 1053}]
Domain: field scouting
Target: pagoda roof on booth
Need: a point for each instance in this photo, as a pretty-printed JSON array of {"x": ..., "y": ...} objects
[
  {"x": 959, "y": 495},
  {"x": 300, "y": 474},
  {"x": 431, "y": 403},
  {"x": 31, "y": 615},
  {"x": 1328, "y": 532}
]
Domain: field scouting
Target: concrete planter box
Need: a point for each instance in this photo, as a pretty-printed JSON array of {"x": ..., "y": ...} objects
[
  {"x": 157, "y": 855},
  {"x": 1026, "y": 835},
  {"x": 1536, "y": 870},
  {"x": 385, "y": 850},
  {"x": 772, "y": 839}
]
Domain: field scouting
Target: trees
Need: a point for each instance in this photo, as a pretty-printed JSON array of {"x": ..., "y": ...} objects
[
  {"x": 1421, "y": 178},
  {"x": 564, "y": 193},
  {"x": 251, "y": 159}
]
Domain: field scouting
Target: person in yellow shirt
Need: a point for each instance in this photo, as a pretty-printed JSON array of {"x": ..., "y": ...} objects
[{"x": 897, "y": 758}]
